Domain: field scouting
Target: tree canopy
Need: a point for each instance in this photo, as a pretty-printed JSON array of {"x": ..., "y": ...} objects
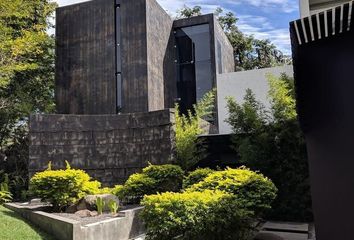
[
  {"x": 26, "y": 73},
  {"x": 249, "y": 52}
]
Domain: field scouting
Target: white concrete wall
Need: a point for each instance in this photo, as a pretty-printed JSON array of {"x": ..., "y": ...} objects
[
  {"x": 304, "y": 8},
  {"x": 310, "y": 7},
  {"x": 235, "y": 85}
]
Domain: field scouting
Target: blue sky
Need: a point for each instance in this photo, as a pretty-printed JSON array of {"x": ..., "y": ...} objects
[{"x": 266, "y": 19}]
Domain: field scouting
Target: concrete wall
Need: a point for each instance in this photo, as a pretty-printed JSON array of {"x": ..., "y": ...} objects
[
  {"x": 227, "y": 51},
  {"x": 160, "y": 53},
  {"x": 235, "y": 85},
  {"x": 127, "y": 225},
  {"x": 108, "y": 147},
  {"x": 310, "y": 7}
]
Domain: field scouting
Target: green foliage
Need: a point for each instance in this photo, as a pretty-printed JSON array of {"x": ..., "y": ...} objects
[
  {"x": 272, "y": 143},
  {"x": 14, "y": 227},
  {"x": 282, "y": 95},
  {"x": 252, "y": 190},
  {"x": 187, "y": 128},
  {"x": 196, "y": 176},
  {"x": 62, "y": 187},
  {"x": 153, "y": 179},
  {"x": 137, "y": 186},
  {"x": 26, "y": 80},
  {"x": 168, "y": 177},
  {"x": 113, "y": 207},
  {"x": 249, "y": 52},
  {"x": 5, "y": 195},
  {"x": 248, "y": 117},
  {"x": 118, "y": 190},
  {"x": 195, "y": 215},
  {"x": 99, "y": 204},
  {"x": 187, "y": 12}
]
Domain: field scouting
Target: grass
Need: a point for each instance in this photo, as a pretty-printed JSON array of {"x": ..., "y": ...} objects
[{"x": 13, "y": 227}]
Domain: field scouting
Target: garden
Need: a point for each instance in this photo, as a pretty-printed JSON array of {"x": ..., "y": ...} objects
[{"x": 182, "y": 201}]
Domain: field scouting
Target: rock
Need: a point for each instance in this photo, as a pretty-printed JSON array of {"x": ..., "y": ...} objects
[
  {"x": 86, "y": 213},
  {"x": 72, "y": 209},
  {"x": 90, "y": 201},
  {"x": 35, "y": 201},
  {"x": 267, "y": 236}
]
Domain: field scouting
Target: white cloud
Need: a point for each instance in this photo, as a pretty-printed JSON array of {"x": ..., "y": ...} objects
[
  {"x": 261, "y": 28},
  {"x": 285, "y": 6}
]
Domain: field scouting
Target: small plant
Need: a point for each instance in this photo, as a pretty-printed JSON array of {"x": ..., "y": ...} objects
[
  {"x": 113, "y": 207},
  {"x": 100, "y": 205},
  {"x": 5, "y": 195},
  {"x": 187, "y": 127}
]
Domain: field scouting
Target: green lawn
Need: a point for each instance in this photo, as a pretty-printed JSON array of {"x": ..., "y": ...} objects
[{"x": 13, "y": 227}]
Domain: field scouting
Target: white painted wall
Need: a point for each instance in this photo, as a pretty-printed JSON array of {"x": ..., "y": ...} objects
[
  {"x": 235, "y": 85},
  {"x": 310, "y": 7},
  {"x": 304, "y": 8}
]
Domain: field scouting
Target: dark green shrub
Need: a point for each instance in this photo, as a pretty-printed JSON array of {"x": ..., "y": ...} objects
[
  {"x": 118, "y": 191},
  {"x": 153, "y": 179},
  {"x": 62, "y": 187},
  {"x": 272, "y": 142},
  {"x": 208, "y": 215},
  {"x": 196, "y": 176},
  {"x": 136, "y": 187},
  {"x": 252, "y": 190},
  {"x": 168, "y": 177}
]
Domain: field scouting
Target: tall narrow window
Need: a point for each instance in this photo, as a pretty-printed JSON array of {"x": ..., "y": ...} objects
[
  {"x": 194, "y": 64},
  {"x": 118, "y": 57}
]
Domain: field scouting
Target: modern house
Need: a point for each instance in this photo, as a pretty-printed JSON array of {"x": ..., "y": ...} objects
[
  {"x": 123, "y": 56},
  {"x": 121, "y": 66}
]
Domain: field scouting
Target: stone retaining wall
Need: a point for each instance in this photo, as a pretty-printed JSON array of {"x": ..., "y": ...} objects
[{"x": 108, "y": 147}]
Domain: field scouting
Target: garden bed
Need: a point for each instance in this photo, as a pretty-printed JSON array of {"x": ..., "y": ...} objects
[{"x": 126, "y": 225}]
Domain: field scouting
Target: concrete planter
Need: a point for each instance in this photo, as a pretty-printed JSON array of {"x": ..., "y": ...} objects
[{"x": 126, "y": 226}]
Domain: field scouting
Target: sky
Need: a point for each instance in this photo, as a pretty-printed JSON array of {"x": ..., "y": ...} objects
[{"x": 265, "y": 19}]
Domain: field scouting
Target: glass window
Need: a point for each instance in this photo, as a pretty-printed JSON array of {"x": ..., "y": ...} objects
[{"x": 193, "y": 50}]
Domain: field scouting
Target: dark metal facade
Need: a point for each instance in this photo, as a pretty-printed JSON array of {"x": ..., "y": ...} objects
[
  {"x": 120, "y": 56},
  {"x": 323, "y": 56}
]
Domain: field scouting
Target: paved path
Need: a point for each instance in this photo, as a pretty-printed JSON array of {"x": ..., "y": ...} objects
[
  {"x": 284, "y": 230},
  {"x": 289, "y": 230}
]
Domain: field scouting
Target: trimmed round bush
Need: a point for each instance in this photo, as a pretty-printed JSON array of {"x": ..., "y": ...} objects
[
  {"x": 168, "y": 177},
  {"x": 136, "y": 187},
  {"x": 195, "y": 215},
  {"x": 252, "y": 190},
  {"x": 196, "y": 176},
  {"x": 153, "y": 179},
  {"x": 62, "y": 187}
]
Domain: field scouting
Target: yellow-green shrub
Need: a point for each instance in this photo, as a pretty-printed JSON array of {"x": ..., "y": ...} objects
[
  {"x": 62, "y": 187},
  {"x": 137, "y": 186},
  {"x": 251, "y": 189},
  {"x": 168, "y": 177},
  {"x": 195, "y": 215},
  {"x": 153, "y": 179},
  {"x": 196, "y": 176}
]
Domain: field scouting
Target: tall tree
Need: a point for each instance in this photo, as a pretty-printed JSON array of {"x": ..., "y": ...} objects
[
  {"x": 187, "y": 12},
  {"x": 249, "y": 52},
  {"x": 26, "y": 73}
]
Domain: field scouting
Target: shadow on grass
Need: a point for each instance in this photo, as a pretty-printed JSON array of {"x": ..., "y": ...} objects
[{"x": 40, "y": 232}]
